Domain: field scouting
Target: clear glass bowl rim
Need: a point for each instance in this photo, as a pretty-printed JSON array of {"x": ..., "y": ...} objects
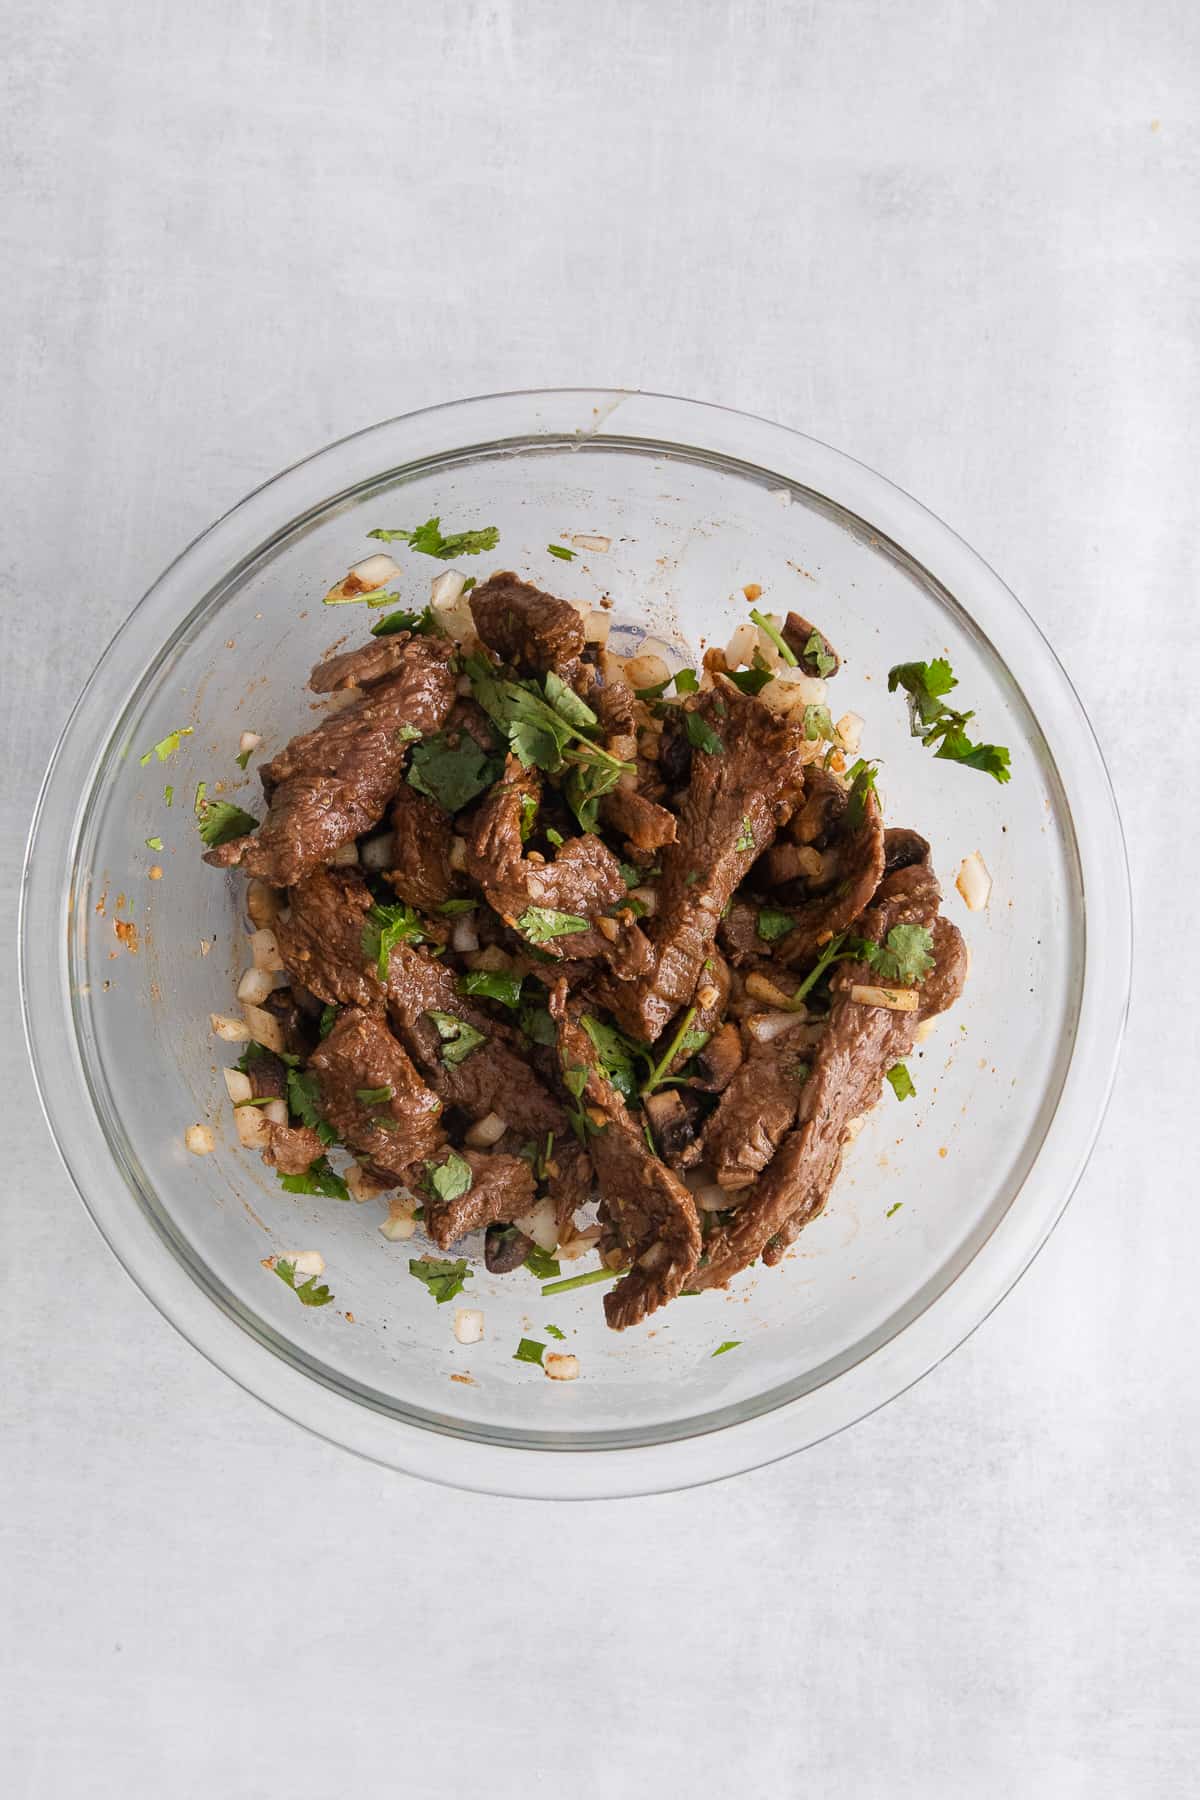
[{"x": 566, "y": 415}]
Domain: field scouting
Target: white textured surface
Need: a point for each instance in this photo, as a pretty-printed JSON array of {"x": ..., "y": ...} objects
[{"x": 956, "y": 240}]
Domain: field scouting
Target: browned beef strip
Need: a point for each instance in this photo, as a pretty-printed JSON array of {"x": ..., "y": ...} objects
[
  {"x": 855, "y": 859},
  {"x": 738, "y": 932},
  {"x": 759, "y": 1106},
  {"x": 859, "y": 1045},
  {"x": 710, "y": 999},
  {"x": 359, "y": 668},
  {"x": 495, "y": 1077},
  {"x": 293, "y": 1149},
  {"x": 526, "y": 627},
  {"x": 320, "y": 940},
  {"x": 797, "y": 633},
  {"x": 734, "y": 802},
  {"x": 645, "y": 1210},
  {"x": 501, "y": 1190},
  {"x": 570, "y": 1179},
  {"x": 420, "y": 872},
  {"x": 583, "y": 879},
  {"x": 647, "y": 825},
  {"x": 332, "y": 784},
  {"x": 397, "y": 1133}
]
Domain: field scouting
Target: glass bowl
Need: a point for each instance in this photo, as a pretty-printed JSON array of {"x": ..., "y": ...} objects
[{"x": 943, "y": 1200}]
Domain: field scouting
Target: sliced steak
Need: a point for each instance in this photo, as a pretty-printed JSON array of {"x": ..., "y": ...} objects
[
  {"x": 798, "y": 634},
  {"x": 320, "y": 940},
  {"x": 501, "y": 1190},
  {"x": 374, "y": 1098},
  {"x": 852, "y": 867},
  {"x": 859, "y": 1045},
  {"x": 645, "y": 1210},
  {"x": 332, "y": 784},
  {"x": 359, "y": 668},
  {"x": 645, "y": 824},
  {"x": 759, "y": 1106},
  {"x": 526, "y": 627},
  {"x": 293, "y": 1149},
  {"x": 421, "y": 872}
]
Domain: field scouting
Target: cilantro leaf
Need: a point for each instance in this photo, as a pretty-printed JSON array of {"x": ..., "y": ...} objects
[
  {"x": 169, "y": 794},
  {"x": 452, "y": 908},
  {"x": 686, "y": 681},
  {"x": 894, "y": 1208},
  {"x": 308, "y": 1293},
  {"x": 586, "y": 786},
  {"x": 451, "y": 774},
  {"x": 750, "y": 681},
  {"x": 537, "y": 1025},
  {"x": 154, "y": 843},
  {"x": 771, "y": 924},
  {"x": 907, "y": 957},
  {"x": 562, "y": 554},
  {"x": 617, "y": 1055},
  {"x": 304, "y": 1098},
  {"x": 931, "y": 720},
  {"x": 318, "y": 1178},
  {"x": 218, "y": 821},
  {"x": 816, "y": 656},
  {"x": 729, "y": 1344},
  {"x": 430, "y": 540},
  {"x": 818, "y": 724},
  {"x": 541, "y": 923},
  {"x": 862, "y": 782},
  {"x": 167, "y": 746},
  {"x": 776, "y": 636},
  {"x": 567, "y": 704},
  {"x": 442, "y": 1277},
  {"x": 902, "y": 1082},
  {"x": 529, "y": 1350},
  {"x": 451, "y": 1179},
  {"x": 458, "y": 1038},
  {"x": 386, "y": 926},
  {"x": 554, "y": 837},
  {"x": 540, "y": 1263},
  {"x": 745, "y": 838},
  {"x": 393, "y": 622},
  {"x": 502, "y": 985},
  {"x": 578, "y": 1281},
  {"x": 328, "y": 1021},
  {"x": 554, "y": 1332},
  {"x": 702, "y": 736}
]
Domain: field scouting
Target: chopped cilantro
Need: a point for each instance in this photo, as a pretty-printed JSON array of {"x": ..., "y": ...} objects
[
  {"x": 169, "y": 794},
  {"x": 662, "y": 1068},
  {"x": 862, "y": 782},
  {"x": 554, "y": 1332},
  {"x": 729, "y": 1344},
  {"x": 452, "y": 908},
  {"x": 503, "y": 985},
  {"x": 393, "y": 622},
  {"x": 818, "y": 724},
  {"x": 451, "y": 774},
  {"x": 631, "y": 875},
  {"x": 167, "y": 746},
  {"x": 836, "y": 950},
  {"x": 777, "y": 638},
  {"x": 458, "y": 1038},
  {"x": 304, "y": 1103},
  {"x": 430, "y": 540},
  {"x": 386, "y": 926},
  {"x": 309, "y": 1293},
  {"x": 745, "y": 839},
  {"x": 562, "y": 554},
  {"x": 816, "y": 655},
  {"x": 902, "y": 1082},
  {"x": 219, "y": 821},
  {"x": 907, "y": 956},
  {"x": 894, "y": 1208},
  {"x": 318, "y": 1178},
  {"x": 702, "y": 736},
  {"x": 328, "y": 1021},
  {"x": 154, "y": 843},
  {"x": 529, "y": 813},
  {"x": 547, "y": 729},
  {"x": 931, "y": 720},
  {"x": 686, "y": 681},
  {"x": 376, "y": 1096},
  {"x": 442, "y": 1277},
  {"x": 617, "y": 1055},
  {"x": 451, "y": 1179},
  {"x": 554, "y": 837},
  {"x": 541, "y": 923},
  {"x": 537, "y": 1025},
  {"x": 771, "y": 925},
  {"x": 529, "y": 1350},
  {"x": 578, "y": 1281},
  {"x": 750, "y": 681},
  {"x": 540, "y": 1263}
]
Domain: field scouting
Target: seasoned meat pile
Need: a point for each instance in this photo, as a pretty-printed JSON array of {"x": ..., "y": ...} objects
[{"x": 545, "y": 937}]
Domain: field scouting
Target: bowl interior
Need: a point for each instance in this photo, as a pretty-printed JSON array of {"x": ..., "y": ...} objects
[{"x": 925, "y": 1183}]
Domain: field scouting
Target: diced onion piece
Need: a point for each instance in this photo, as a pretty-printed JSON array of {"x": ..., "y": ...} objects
[
  {"x": 400, "y": 1223},
  {"x": 306, "y": 1263},
  {"x": 648, "y": 897},
  {"x": 853, "y": 1127},
  {"x": 575, "y": 1243},
  {"x": 559, "y": 1367},
  {"x": 710, "y": 1198},
  {"x": 199, "y": 1140},
  {"x": 262, "y": 903},
  {"x": 596, "y": 627},
  {"x": 465, "y": 936},
  {"x": 541, "y": 1225},
  {"x": 231, "y": 1031},
  {"x": 345, "y": 854},
  {"x": 265, "y": 950},
  {"x": 612, "y": 666},
  {"x": 587, "y": 540},
  {"x": 446, "y": 588},
  {"x": 362, "y": 1186},
  {"x": 973, "y": 881},
  {"x": 486, "y": 1131},
  {"x": 608, "y": 928},
  {"x": 894, "y": 999},
  {"x": 379, "y": 852},
  {"x": 468, "y": 1324},
  {"x": 766, "y": 645},
  {"x": 255, "y": 986},
  {"x": 249, "y": 740},
  {"x": 265, "y": 1028},
  {"x": 254, "y": 1133},
  {"x": 458, "y": 854},
  {"x": 376, "y": 571},
  {"x": 646, "y": 669},
  {"x": 763, "y": 1027},
  {"x": 850, "y": 729},
  {"x": 452, "y": 608},
  {"x": 275, "y": 1112},
  {"x": 760, "y": 987},
  {"x": 926, "y": 1029},
  {"x": 742, "y": 645},
  {"x": 237, "y": 1085},
  {"x": 344, "y": 697}
]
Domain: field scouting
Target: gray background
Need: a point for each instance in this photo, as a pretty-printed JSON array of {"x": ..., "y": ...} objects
[{"x": 957, "y": 241}]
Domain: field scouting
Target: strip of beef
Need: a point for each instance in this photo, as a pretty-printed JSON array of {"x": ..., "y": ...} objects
[
  {"x": 331, "y": 784},
  {"x": 759, "y": 1106},
  {"x": 584, "y": 878},
  {"x": 645, "y": 1210},
  {"x": 742, "y": 785},
  {"x": 711, "y": 999},
  {"x": 798, "y": 634},
  {"x": 293, "y": 1149},
  {"x": 738, "y": 932},
  {"x": 859, "y": 1045},
  {"x": 374, "y": 1098},
  {"x": 851, "y": 852},
  {"x": 526, "y": 627},
  {"x": 645, "y": 824},
  {"x": 421, "y": 872},
  {"x": 320, "y": 939},
  {"x": 501, "y": 1190},
  {"x": 371, "y": 662}
]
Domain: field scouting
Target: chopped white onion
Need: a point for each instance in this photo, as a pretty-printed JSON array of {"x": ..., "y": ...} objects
[
  {"x": 249, "y": 740},
  {"x": 306, "y": 1263},
  {"x": 575, "y": 1243},
  {"x": 264, "y": 949},
  {"x": 262, "y": 903},
  {"x": 264, "y": 1028},
  {"x": 458, "y": 854},
  {"x": 894, "y": 999},
  {"x": 468, "y": 1324},
  {"x": 586, "y": 540},
  {"x": 199, "y": 1140},
  {"x": 763, "y": 1027},
  {"x": 446, "y": 588},
  {"x": 760, "y": 987},
  {"x": 376, "y": 571},
  {"x": 541, "y": 1225},
  {"x": 231, "y": 1031},
  {"x": 237, "y": 1085},
  {"x": 362, "y": 1186},
  {"x": 646, "y": 670},
  {"x": 559, "y": 1367},
  {"x": 400, "y": 1223},
  {"x": 451, "y": 606},
  {"x": 379, "y": 852},
  {"x": 973, "y": 881},
  {"x": 926, "y": 1029},
  {"x": 742, "y": 645},
  {"x": 252, "y": 1129},
  {"x": 582, "y": 607},
  {"x": 465, "y": 937},
  {"x": 596, "y": 627},
  {"x": 710, "y": 1198},
  {"x": 486, "y": 1131},
  {"x": 275, "y": 1112},
  {"x": 345, "y": 854},
  {"x": 850, "y": 729},
  {"x": 256, "y": 986}
]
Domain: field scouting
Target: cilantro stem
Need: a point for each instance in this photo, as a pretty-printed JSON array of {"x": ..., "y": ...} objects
[
  {"x": 832, "y": 953},
  {"x": 660, "y": 1068},
  {"x": 777, "y": 638},
  {"x": 578, "y": 1281}
]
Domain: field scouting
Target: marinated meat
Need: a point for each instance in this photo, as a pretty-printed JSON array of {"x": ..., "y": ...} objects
[
  {"x": 373, "y": 1097},
  {"x": 320, "y": 938},
  {"x": 798, "y": 634},
  {"x": 738, "y": 932},
  {"x": 332, "y": 784},
  {"x": 421, "y": 872},
  {"x": 759, "y": 1106},
  {"x": 501, "y": 1190},
  {"x": 525, "y": 627},
  {"x": 293, "y": 1149},
  {"x": 645, "y": 824},
  {"x": 359, "y": 668},
  {"x": 852, "y": 870},
  {"x": 647, "y": 1213}
]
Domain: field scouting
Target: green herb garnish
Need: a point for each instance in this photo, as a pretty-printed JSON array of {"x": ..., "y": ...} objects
[
  {"x": 529, "y": 1350},
  {"x": 659, "y": 1071},
  {"x": 729, "y": 1344},
  {"x": 391, "y": 623},
  {"x": 617, "y": 1055},
  {"x": 451, "y": 908},
  {"x": 894, "y": 1208},
  {"x": 745, "y": 840},
  {"x": 750, "y": 681},
  {"x": 430, "y": 540},
  {"x": 816, "y": 651},
  {"x": 777, "y": 638},
  {"x": 169, "y": 794},
  {"x": 376, "y": 1096},
  {"x": 541, "y": 923},
  {"x": 308, "y": 1293},
  {"x": 167, "y": 746},
  {"x": 386, "y": 926},
  {"x": 452, "y": 774},
  {"x": 907, "y": 957},
  {"x": 328, "y": 1021},
  {"x": 154, "y": 843},
  {"x": 702, "y": 736},
  {"x": 458, "y": 1038},
  {"x": 579, "y": 1281},
  {"x": 931, "y": 720},
  {"x": 451, "y": 1179},
  {"x": 443, "y": 1278},
  {"x": 902, "y": 1082},
  {"x": 862, "y": 782},
  {"x": 540, "y": 1263},
  {"x": 771, "y": 925},
  {"x": 318, "y": 1178},
  {"x": 562, "y": 554},
  {"x": 554, "y": 1332},
  {"x": 219, "y": 821},
  {"x": 818, "y": 724},
  {"x": 501, "y": 985}
]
